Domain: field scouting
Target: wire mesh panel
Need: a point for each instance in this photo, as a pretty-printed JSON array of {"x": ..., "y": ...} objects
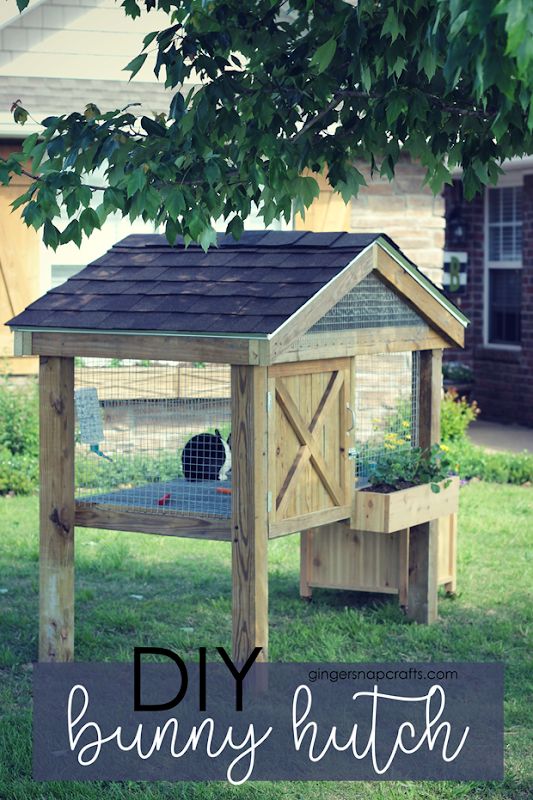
[
  {"x": 386, "y": 407},
  {"x": 152, "y": 436},
  {"x": 370, "y": 304}
]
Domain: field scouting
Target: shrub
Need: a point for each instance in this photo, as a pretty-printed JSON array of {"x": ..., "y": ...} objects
[
  {"x": 475, "y": 462},
  {"x": 18, "y": 473},
  {"x": 459, "y": 373},
  {"x": 19, "y": 419},
  {"x": 19, "y": 438},
  {"x": 456, "y": 415}
]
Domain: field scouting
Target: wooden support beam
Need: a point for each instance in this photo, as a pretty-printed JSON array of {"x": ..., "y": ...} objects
[
  {"x": 56, "y": 407},
  {"x": 138, "y": 521},
  {"x": 364, "y": 341},
  {"x": 150, "y": 346},
  {"x": 423, "y": 539},
  {"x": 249, "y": 511}
]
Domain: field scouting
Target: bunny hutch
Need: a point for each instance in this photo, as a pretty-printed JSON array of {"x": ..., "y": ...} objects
[{"x": 311, "y": 349}]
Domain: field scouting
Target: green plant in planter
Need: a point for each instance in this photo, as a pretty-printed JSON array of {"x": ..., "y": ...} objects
[{"x": 399, "y": 467}]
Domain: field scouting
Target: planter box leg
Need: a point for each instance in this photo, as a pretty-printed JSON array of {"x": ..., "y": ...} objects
[
  {"x": 422, "y": 592},
  {"x": 56, "y": 411},
  {"x": 249, "y": 512},
  {"x": 403, "y": 567},
  {"x": 306, "y": 546},
  {"x": 451, "y": 586}
]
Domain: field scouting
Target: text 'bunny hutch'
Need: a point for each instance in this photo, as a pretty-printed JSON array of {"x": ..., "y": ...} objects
[{"x": 243, "y": 394}]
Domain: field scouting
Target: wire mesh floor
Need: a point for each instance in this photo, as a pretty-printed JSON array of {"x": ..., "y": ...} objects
[{"x": 204, "y": 498}]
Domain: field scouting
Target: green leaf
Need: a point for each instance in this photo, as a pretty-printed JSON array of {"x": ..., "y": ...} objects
[
  {"x": 72, "y": 233},
  {"x": 366, "y": 77},
  {"x": 20, "y": 115},
  {"x": 89, "y": 220},
  {"x": 392, "y": 26},
  {"x": 51, "y": 235},
  {"x": 149, "y": 38},
  {"x": 323, "y": 57},
  {"x": 428, "y": 62},
  {"x": 135, "y": 65},
  {"x": 235, "y": 227},
  {"x": 29, "y": 143},
  {"x": 308, "y": 189},
  {"x": 207, "y": 238},
  {"x": 38, "y": 154},
  {"x": 396, "y": 105},
  {"x": 177, "y": 106},
  {"x": 171, "y": 231},
  {"x": 136, "y": 182},
  {"x": 152, "y": 127},
  {"x": 459, "y": 23}
]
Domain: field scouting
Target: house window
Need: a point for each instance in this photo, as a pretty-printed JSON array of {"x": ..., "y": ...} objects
[{"x": 504, "y": 265}]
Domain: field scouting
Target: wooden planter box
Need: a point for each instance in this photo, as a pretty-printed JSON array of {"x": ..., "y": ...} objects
[{"x": 386, "y": 513}]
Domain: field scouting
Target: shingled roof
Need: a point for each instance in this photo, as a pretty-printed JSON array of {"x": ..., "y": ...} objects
[{"x": 249, "y": 287}]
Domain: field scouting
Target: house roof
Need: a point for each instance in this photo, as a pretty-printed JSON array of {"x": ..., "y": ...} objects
[{"x": 247, "y": 288}]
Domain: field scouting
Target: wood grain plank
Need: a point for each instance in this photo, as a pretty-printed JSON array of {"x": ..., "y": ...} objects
[
  {"x": 139, "y": 346},
  {"x": 305, "y": 434},
  {"x": 365, "y": 341},
  {"x": 56, "y": 500},
  {"x": 423, "y": 539},
  {"x": 313, "y": 520},
  {"x": 422, "y": 301},
  {"x": 138, "y": 521},
  {"x": 306, "y": 564},
  {"x": 249, "y": 511}
]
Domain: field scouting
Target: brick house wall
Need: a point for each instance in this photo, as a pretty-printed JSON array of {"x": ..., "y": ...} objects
[
  {"x": 405, "y": 210},
  {"x": 503, "y": 377}
]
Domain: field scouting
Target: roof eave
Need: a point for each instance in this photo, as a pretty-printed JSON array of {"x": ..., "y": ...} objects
[{"x": 177, "y": 334}]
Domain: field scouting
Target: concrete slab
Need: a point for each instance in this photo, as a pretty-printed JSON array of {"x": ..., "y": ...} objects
[{"x": 494, "y": 436}]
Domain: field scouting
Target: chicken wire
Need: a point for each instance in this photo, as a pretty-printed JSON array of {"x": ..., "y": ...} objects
[
  {"x": 134, "y": 426},
  {"x": 370, "y": 304},
  {"x": 386, "y": 407}
]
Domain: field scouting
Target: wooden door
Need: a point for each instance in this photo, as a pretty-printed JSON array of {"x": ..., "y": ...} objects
[{"x": 310, "y": 481}]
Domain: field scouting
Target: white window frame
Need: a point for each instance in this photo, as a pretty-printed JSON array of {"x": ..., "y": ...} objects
[{"x": 515, "y": 178}]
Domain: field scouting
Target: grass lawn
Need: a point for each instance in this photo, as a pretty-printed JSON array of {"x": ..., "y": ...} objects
[{"x": 186, "y": 592}]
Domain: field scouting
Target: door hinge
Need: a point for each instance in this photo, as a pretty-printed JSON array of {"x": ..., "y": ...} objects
[
  {"x": 269, "y": 402},
  {"x": 269, "y": 502}
]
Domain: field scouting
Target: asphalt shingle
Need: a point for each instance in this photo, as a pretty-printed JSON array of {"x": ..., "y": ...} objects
[{"x": 247, "y": 287}]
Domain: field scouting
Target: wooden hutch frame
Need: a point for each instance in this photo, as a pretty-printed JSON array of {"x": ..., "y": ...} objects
[{"x": 269, "y": 497}]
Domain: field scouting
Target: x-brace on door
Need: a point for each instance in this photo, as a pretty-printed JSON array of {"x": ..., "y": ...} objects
[{"x": 309, "y": 438}]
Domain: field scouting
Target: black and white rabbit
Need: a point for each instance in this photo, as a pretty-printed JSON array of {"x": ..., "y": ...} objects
[{"x": 207, "y": 457}]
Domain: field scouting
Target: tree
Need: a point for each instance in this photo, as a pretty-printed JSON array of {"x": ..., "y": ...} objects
[{"x": 288, "y": 88}]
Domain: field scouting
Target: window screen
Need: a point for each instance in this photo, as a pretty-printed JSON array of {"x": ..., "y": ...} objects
[{"x": 504, "y": 262}]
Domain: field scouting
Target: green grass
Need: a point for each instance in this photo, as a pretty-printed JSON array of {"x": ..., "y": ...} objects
[{"x": 186, "y": 591}]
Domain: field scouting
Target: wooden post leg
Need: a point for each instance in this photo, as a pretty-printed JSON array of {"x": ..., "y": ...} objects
[
  {"x": 451, "y": 586},
  {"x": 423, "y": 539},
  {"x": 249, "y": 511},
  {"x": 56, "y": 411},
  {"x": 423, "y": 566},
  {"x": 306, "y": 546}
]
